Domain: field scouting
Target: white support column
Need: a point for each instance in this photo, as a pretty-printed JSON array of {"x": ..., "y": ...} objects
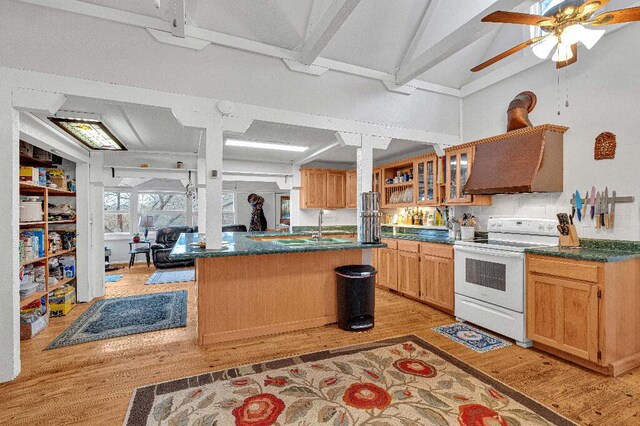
[
  {"x": 213, "y": 185},
  {"x": 95, "y": 202},
  {"x": 9, "y": 261},
  {"x": 213, "y": 140},
  {"x": 202, "y": 193}
]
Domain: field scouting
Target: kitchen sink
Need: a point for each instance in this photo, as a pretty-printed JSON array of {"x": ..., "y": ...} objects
[{"x": 298, "y": 242}]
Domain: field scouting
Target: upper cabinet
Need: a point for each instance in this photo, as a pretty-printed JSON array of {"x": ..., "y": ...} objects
[
  {"x": 323, "y": 189},
  {"x": 313, "y": 191},
  {"x": 398, "y": 184},
  {"x": 426, "y": 176},
  {"x": 376, "y": 181},
  {"x": 458, "y": 165},
  {"x": 352, "y": 189},
  {"x": 336, "y": 190}
]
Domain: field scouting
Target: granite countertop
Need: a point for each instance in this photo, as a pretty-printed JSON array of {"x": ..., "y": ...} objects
[
  {"x": 438, "y": 237},
  {"x": 594, "y": 250},
  {"x": 242, "y": 244}
]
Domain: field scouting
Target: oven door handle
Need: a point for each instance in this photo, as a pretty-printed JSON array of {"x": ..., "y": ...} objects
[{"x": 497, "y": 253}]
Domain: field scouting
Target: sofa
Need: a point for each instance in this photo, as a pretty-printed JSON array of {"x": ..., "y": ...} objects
[{"x": 165, "y": 240}]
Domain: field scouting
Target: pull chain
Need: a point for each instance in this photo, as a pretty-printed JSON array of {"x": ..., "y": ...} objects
[
  {"x": 566, "y": 82},
  {"x": 558, "y": 93}
]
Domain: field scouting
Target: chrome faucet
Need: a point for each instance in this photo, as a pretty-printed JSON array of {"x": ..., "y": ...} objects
[{"x": 318, "y": 235}]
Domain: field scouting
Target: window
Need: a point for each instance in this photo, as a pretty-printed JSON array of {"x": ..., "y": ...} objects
[
  {"x": 168, "y": 209},
  {"x": 117, "y": 216},
  {"x": 228, "y": 208}
]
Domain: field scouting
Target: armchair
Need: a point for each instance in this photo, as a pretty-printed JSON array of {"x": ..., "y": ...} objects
[{"x": 165, "y": 240}]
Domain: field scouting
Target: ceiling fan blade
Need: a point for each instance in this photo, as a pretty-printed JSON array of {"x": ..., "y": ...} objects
[
  {"x": 616, "y": 17},
  {"x": 590, "y": 6},
  {"x": 518, "y": 18},
  {"x": 573, "y": 60},
  {"x": 506, "y": 53}
]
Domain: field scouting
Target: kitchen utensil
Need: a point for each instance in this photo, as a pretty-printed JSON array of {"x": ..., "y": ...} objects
[
  {"x": 605, "y": 207},
  {"x": 585, "y": 205},
  {"x": 578, "y": 205},
  {"x": 612, "y": 214},
  {"x": 598, "y": 207},
  {"x": 592, "y": 201}
]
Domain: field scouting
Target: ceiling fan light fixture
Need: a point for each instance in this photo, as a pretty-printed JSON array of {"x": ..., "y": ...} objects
[
  {"x": 544, "y": 48},
  {"x": 577, "y": 33},
  {"x": 563, "y": 53},
  {"x": 591, "y": 37}
]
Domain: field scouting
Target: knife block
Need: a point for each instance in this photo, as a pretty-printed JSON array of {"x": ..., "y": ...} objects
[{"x": 570, "y": 240}]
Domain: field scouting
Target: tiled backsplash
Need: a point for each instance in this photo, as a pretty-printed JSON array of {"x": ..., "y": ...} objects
[{"x": 546, "y": 206}]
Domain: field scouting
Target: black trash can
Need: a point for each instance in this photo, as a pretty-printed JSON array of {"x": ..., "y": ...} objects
[{"x": 356, "y": 297}]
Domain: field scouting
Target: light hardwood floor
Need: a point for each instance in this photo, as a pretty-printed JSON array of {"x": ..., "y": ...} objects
[{"x": 91, "y": 384}]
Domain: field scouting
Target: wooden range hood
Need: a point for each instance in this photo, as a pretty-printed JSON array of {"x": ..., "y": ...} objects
[{"x": 524, "y": 160}]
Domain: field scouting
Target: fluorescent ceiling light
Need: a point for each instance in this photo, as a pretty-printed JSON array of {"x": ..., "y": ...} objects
[
  {"x": 265, "y": 145},
  {"x": 91, "y": 133}
]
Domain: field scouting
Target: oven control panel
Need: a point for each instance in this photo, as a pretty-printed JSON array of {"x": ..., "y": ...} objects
[{"x": 523, "y": 226}]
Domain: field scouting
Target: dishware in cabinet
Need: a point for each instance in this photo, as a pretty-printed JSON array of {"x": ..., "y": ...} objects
[{"x": 426, "y": 187}]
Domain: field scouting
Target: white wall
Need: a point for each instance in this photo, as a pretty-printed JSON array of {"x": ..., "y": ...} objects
[{"x": 603, "y": 93}]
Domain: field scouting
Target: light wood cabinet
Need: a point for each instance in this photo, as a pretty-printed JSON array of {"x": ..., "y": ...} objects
[
  {"x": 423, "y": 271},
  {"x": 336, "y": 191},
  {"x": 425, "y": 171},
  {"x": 409, "y": 273},
  {"x": 351, "y": 189},
  {"x": 436, "y": 281},
  {"x": 586, "y": 312},
  {"x": 388, "y": 268},
  {"x": 458, "y": 163},
  {"x": 563, "y": 314},
  {"x": 313, "y": 191},
  {"x": 376, "y": 181},
  {"x": 323, "y": 189}
]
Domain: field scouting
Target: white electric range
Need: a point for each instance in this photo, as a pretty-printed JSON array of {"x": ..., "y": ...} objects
[{"x": 490, "y": 274}]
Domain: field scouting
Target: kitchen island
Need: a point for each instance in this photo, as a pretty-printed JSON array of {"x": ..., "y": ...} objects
[{"x": 267, "y": 283}]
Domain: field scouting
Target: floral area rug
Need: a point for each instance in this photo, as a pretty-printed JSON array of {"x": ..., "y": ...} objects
[
  {"x": 471, "y": 337},
  {"x": 401, "y": 381}
]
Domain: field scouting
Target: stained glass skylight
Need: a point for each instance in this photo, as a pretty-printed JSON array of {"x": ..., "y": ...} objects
[{"x": 92, "y": 133}]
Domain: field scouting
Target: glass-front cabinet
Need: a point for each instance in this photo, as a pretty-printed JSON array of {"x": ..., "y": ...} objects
[
  {"x": 426, "y": 184},
  {"x": 458, "y": 162}
]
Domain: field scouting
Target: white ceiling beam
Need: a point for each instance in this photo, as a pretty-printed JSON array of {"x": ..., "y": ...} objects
[
  {"x": 194, "y": 36},
  {"x": 323, "y": 32},
  {"x": 430, "y": 8},
  {"x": 317, "y": 153},
  {"x": 461, "y": 37}
]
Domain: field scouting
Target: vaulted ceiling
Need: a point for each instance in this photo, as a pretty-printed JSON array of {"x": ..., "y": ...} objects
[{"x": 408, "y": 44}]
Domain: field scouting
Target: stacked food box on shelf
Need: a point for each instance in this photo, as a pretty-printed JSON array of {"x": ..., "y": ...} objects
[
  {"x": 33, "y": 244},
  {"x": 35, "y": 175},
  {"x": 32, "y": 280},
  {"x": 61, "y": 268},
  {"x": 62, "y": 300},
  {"x": 33, "y": 319}
]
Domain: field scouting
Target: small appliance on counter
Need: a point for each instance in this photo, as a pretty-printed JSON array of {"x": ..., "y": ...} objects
[{"x": 370, "y": 218}]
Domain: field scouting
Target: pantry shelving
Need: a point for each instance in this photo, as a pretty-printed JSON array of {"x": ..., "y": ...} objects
[{"x": 46, "y": 195}]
